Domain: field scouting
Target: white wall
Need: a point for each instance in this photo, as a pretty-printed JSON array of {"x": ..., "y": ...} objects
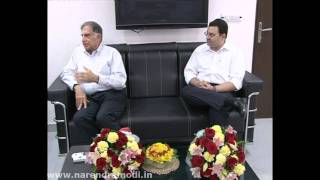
[{"x": 66, "y": 16}]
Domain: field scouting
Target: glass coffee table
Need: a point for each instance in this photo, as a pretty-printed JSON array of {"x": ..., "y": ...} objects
[{"x": 72, "y": 170}]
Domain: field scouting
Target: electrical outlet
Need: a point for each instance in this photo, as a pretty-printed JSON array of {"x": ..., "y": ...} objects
[{"x": 231, "y": 18}]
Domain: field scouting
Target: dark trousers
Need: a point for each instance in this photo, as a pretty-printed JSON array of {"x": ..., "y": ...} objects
[
  {"x": 103, "y": 111},
  {"x": 205, "y": 98}
]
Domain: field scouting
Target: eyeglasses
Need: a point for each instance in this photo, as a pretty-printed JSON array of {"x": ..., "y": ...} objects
[{"x": 210, "y": 35}]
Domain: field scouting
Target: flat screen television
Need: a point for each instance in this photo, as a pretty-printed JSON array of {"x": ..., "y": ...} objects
[{"x": 151, "y": 14}]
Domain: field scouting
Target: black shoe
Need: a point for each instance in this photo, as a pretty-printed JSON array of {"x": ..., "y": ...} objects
[
  {"x": 240, "y": 105},
  {"x": 235, "y": 104}
]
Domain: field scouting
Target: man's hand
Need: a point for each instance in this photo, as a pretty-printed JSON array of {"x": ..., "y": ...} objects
[
  {"x": 208, "y": 86},
  {"x": 197, "y": 83},
  {"x": 86, "y": 76},
  {"x": 81, "y": 97},
  {"x": 202, "y": 84}
]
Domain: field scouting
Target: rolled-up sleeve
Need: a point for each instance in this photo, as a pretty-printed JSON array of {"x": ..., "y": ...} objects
[
  {"x": 117, "y": 77},
  {"x": 237, "y": 70}
]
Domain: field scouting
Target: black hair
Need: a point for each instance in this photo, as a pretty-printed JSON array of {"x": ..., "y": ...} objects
[{"x": 221, "y": 24}]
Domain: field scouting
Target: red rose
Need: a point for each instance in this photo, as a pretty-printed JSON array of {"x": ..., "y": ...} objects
[
  {"x": 211, "y": 147},
  {"x": 115, "y": 161},
  {"x": 104, "y": 132},
  {"x": 231, "y": 162},
  {"x": 93, "y": 147},
  {"x": 203, "y": 141},
  {"x": 214, "y": 177},
  {"x": 231, "y": 138},
  {"x": 119, "y": 144},
  {"x": 101, "y": 164},
  {"x": 126, "y": 171},
  {"x": 140, "y": 158},
  {"x": 197, "y": 161},
  {"x": 209, "y": 133},
  {"x": 122, "y": 140},
  {"x": 241, "y": 155},
  {"x": 206, "y": 173},
  {"x": 98, "y": 139},
  {"x": 110, "y": 153}
]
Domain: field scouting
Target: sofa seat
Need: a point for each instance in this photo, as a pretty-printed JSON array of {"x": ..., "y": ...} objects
[{"x": 148, "y": 117}]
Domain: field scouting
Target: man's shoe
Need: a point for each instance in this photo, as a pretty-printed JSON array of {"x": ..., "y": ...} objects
[{"x": 240, "y": 105}]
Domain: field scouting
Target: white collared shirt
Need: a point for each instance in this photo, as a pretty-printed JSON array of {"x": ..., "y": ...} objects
[
  {"x": 105, "y": 61},
  {"x": 225, "y": 65}
]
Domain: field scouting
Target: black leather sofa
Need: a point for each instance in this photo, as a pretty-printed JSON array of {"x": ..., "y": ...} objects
[{"x": 155, "y": 109}]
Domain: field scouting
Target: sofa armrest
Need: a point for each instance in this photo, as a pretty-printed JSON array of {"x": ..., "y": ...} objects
[
  {"x": 60, "y": 92},
  {"x": 251, "y": 83},
  {"x": 57, "y": 90}
]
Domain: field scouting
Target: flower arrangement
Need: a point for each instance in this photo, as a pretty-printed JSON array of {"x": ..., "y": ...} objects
[
  {"x": 161, "y": 159},
  {"x": 216, "y": 154},
  {"x": 116, "y": 152}
]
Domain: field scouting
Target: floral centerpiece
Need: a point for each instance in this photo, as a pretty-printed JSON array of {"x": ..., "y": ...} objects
[
  {"x": 161, "y": 159},
  {"x": 216, "y": 154},
  {"x": 115, "y": 153}
]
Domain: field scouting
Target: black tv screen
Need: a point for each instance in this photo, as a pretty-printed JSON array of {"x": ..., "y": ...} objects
[{"x": 142, "y": 14}]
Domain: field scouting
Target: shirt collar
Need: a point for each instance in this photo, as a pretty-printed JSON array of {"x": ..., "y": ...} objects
[{"x": 226, "y": 46}]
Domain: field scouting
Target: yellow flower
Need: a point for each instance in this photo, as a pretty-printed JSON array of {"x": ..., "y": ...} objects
[
  {"x": 239, "y": 169},
  {"x": 116, "y": 171},
  {"x": 159, "y": 152},
  {"x": 130, "y": 138},
  {"x": 225, "y": 150},
  {"x": 220, "y": 159},
  {"x": 102, "y": 146},
  {"x": 133, "y": 145},
  {"x": 112, "y": 137},
  {"x": 191, "y": 147},
  {"x": 217, "y": 128},
  {"x": 208, "y": 157},
  {"x": 104, "y": 154},
  {"x": 159, "y": 147},
  {"x": 219, "y": 136}
]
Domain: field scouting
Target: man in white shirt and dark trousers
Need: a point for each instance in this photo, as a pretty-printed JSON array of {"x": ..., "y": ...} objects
[
  {"x": 97, "y": 75},
  {"x": 214, "y": 70}
]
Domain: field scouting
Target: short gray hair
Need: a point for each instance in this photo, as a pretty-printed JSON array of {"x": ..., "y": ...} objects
[{"x": 95, "y": 26}]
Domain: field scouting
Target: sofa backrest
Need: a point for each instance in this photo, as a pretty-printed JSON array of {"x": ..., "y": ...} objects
[
  {"x": 123, "y": 50},
  {"x": 155, "y": 69},
  {"x": 152, "y": 70}
]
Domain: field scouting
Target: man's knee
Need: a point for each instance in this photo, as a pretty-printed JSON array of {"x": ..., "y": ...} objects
[
  {"x": 78, "y": 118},
  {"x": 109, "y": 120},
  {"x": 187, "y": 91}
]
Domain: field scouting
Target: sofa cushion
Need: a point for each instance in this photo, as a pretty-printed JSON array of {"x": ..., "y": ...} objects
[
  {"x": 152, "y": 70},
  {"x": 163, "y": 118}
]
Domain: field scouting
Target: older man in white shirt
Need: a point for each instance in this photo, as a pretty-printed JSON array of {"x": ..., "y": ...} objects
[
  {"x": 214, "y": 70},
  {"x": 97, "y": 75}
]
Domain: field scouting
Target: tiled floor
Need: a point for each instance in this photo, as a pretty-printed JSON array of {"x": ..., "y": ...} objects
[{"x": 258, "y": 154}]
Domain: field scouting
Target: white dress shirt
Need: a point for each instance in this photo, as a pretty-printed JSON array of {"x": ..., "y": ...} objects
[
  {"x": 225, "y": 65},
  {"x": 105, "y": 61}
]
